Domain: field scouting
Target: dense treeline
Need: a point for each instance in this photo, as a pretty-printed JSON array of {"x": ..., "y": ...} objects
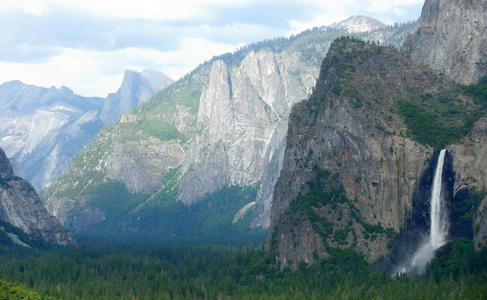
[
  {"x": 124, "y": 271},
  {"x": 13, "y": 292}
]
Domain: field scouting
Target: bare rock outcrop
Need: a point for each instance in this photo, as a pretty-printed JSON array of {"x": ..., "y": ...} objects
[
  {"x": 21, "y": 207},
  {"x": 452, "y": 38}
]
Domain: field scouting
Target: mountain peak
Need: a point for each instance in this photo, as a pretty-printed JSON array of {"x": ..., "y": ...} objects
[
  {"x": 357, "y": 24},
  {"x": 136, "y": 88}
]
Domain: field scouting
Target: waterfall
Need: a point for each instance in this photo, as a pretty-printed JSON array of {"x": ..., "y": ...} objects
[{"x": 438, "y": 226}]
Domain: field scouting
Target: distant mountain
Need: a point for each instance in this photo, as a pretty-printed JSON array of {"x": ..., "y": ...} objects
[
  {"x": 359, "y": 24},
  {"x": 41, "y": 129},
  {"x": 204, "y": 153},
  {"x": 23, "y": 218},
  {"x": 136, "y": 88}
]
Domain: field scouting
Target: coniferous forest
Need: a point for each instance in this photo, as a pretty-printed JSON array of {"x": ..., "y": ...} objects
[{"x": 122, "y": 270}]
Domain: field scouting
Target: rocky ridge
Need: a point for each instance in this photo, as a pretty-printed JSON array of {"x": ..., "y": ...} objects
[
  {"x": 357, "y": 24},
  {"x": 41, "y": 129},
  {"x": 20, "y": 206}
]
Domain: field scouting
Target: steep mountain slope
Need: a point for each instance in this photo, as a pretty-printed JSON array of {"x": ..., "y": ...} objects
[
  {"x": 23, "y": 217},
  {"x": 357, "y": 151},
  {"x": 451, "y": 38},
  {"x": 41, "y": 129},
  {"x": 217, "y": 133}
]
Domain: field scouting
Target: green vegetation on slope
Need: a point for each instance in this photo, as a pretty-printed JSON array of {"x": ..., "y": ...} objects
[
  {"x": 208, "y": 221},
  {"x": 478, "y": 91},
  {"x": 437, "y": 125},
  {"x": 378, "y": 80},
  {"x": 10, "y": 291},
  {"x": 325, "y": 191}
]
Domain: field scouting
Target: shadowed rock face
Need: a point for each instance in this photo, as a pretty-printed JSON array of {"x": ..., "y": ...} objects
[
  {"x": 469, "y": 157},
  {"x": 6, "y": 171},
  {"x": 21, "y": 207},
  {"x": 350, "y": 167},
  {"x": 361, "y": 148},
  {"x": 452, "y": 38}
]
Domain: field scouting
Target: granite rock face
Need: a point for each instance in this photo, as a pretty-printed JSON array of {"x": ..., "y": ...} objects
[
  {"x": 41, "y": 129},
  {"x": 356, "y": 24},
  {"x": 452, "y": 38},
  {"x": 223, "y": 125},
  {"x": 351, "y": 169},
  {"x": 21, "y": 207},
  {"x": 242, "y": 117}
]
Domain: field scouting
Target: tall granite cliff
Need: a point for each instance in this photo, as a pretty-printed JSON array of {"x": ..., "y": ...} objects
[
  {"x": 222, "y": 127},
  {"x": 452, "y": 38},
  {"x": 20, "y": 206},
  {"x": 357, "y": 150}
]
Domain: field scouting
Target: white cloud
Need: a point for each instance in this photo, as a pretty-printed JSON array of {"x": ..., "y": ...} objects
[
  {"x": 399, "y": 12},
  {"x": 325, "y": 12},
  {"x": 102, "y": 38},
  {"x": 382, "y": 5},
  {"x": 322, "y": 20},
  {"x": 94, "y": 73},
  {"x": 167, "y": 10},
  {"x": 34, "y": 7}
]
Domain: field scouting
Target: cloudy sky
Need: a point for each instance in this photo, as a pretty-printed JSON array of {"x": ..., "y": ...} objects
[{"x": 87, "y": 44}]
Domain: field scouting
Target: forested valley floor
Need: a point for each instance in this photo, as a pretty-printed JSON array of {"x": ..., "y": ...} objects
[{"x": 121, "y": 270}]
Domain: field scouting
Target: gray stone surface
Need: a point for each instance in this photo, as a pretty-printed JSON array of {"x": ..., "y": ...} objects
[
  {"x": 452, "y": 38},
  {"x": 21, "y": 206}
]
